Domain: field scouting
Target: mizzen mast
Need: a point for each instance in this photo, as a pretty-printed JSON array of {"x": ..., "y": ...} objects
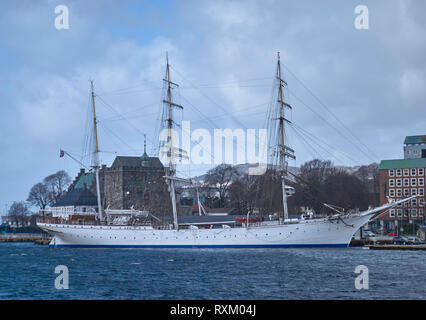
[
  {"x": 169, "y": 104},
  {"x": 96, "y": 155},
  {"x": 284, "y": 151}
]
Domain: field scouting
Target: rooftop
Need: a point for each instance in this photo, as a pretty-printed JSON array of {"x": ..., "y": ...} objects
[
  {"x": 85, "y": 180},
  {"x": 77, "y": 197},
  {"x": 122, "y": 161},
  {"x": 415, "y": 139},
  {"x": 403, "y": 163}
]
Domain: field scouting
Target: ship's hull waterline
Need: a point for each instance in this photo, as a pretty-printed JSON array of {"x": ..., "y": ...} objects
[{"x": 306, "y": 233}]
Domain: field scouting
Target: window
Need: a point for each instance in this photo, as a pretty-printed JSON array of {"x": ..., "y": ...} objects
[
  {"x": 414, "y": 202},
  {"x": 406, "y": 212},
  {"x": 413, "y": 192},
  {"x": 391, "y": 182},
  {"x": 421, "y": 182},
  {"x": 391, "y": 173},
  {"x": 406, "y": 192},
  {"x": 399, "y": 192},
  {"x": 421, "y": 191},
  {"x": 391, "y": 192},
  {"x": 392, "y": 213},
  {"x": 406, "y": 182},
  {"x": 413, "y": 171},
  {"x": 398, "y": 172},
  {"x": 413, "y": 182},
  {"x": 421, "y": 171},
  {"x": 421, "y": 202},
  {"x": 421, "y": 212},
  {"x": 406, "y": 172},
  {"x": 414, "y": 212},
  {"x": 399, "y": 182},
  {"x": 399, "y": 212}
]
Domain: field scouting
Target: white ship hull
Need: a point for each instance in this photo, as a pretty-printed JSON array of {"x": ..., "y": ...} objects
[{"x": 305, "y": 233}]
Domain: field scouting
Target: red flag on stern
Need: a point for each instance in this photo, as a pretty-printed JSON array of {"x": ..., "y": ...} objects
[{"x": 61, "y": 154}]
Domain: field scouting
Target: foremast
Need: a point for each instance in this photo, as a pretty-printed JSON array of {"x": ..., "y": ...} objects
[
  {"x": 284, "y": 151},
  {"x": 96, "y": 155},
  {"x": 171, "y": 171}
]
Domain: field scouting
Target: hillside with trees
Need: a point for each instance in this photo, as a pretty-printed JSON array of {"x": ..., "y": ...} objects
[{"x": 316, "y": 183}]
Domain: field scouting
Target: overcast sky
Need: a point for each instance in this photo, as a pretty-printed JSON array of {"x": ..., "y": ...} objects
[{"x": 356, "y": 93}]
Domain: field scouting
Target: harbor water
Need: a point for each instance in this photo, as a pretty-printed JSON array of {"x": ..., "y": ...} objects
[{"x": 27, "y": 271}]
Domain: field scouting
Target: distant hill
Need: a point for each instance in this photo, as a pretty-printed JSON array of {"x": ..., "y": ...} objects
[
  {"x": 243, "y": 169},
  {"x": 361, "y": 172}
]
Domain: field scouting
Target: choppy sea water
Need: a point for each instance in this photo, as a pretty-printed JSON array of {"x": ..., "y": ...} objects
[{"x": 27, "y": 271}]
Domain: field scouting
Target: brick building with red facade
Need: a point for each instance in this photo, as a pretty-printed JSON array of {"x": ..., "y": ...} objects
[{"x": 402, "y": 178}]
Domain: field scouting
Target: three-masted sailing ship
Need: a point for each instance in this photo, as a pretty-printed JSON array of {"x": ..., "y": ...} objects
[{"x": 331, "y": 231}]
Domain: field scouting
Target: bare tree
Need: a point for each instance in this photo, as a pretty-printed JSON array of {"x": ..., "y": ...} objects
[
  {"x": 310, "y": 189},
  {"x": 346, "y": 190},
  {"x": 221, "y": 177},
  {"x": 19, "y": 212},
  {"x": 39, "y": 196},
  {"x": 242, "y": 193},
  {"x": 268, "y": 192},
  {"x": 57, "y": 185}
]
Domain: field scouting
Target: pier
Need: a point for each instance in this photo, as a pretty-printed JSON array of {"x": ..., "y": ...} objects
[
  {"x": 395, "y": 246},
  {"x": 37, "y": 238}
]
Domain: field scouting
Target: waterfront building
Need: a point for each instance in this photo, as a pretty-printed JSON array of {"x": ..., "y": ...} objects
[
  {"x": 415, "y": 147},
  {"x": 80, "y": 200},
  {"x": 130, "y": 182},
  {"x": 402, "y": 178}
]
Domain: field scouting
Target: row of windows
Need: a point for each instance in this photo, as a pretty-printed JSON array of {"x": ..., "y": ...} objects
[
  {"x": 407, "y": 172},
  {"x": 414, "y": 212},
  {"x": 407, "y": 182},
  {"x": 415, "y": 152},
  {"x": 407, "y": 192},
  {"x": 413, "y": 203}
]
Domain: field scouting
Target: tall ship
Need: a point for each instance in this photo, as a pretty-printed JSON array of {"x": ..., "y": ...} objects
[{"x": 142, "y": 229}]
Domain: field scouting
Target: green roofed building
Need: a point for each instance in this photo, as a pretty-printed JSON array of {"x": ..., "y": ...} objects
[
  {"x": 403, "y": 178},
  {"x": 136, "y": 182},
  {"x": 415, "y": 147},
  {"x": 402, "y": 164}
]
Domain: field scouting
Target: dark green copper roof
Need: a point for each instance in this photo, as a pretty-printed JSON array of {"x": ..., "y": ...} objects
[
  {"x": 77, "y": 197},
  {"x": 145, "y": 157},
  {"x": 403, "y": 163},
  {"x": 415, "y": 139},
  {"x": 85, "y": 179}
]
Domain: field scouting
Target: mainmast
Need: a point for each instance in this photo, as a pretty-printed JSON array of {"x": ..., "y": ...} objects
[
  {"x": 284, "y": 151},
  {"x": 170, "y": 152},
  {"x": 96, "y": 155}
]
